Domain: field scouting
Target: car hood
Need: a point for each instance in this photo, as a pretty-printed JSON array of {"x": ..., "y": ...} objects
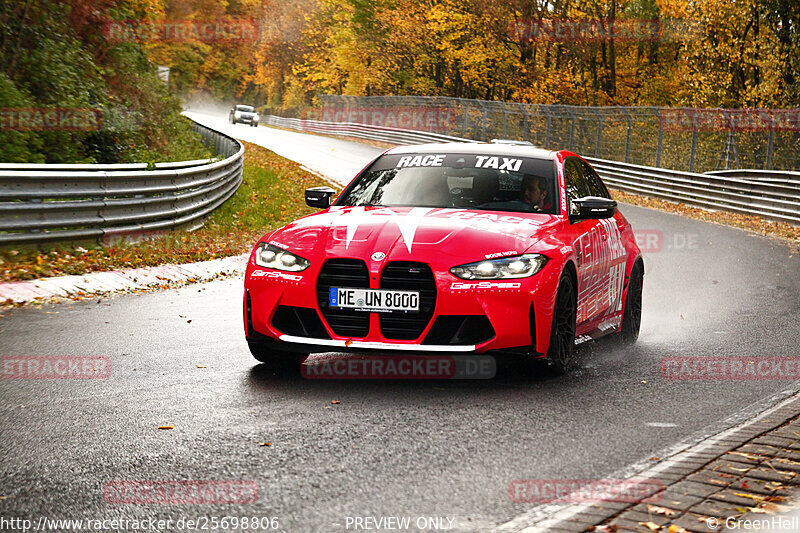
[{"x": 432, "y": 235}]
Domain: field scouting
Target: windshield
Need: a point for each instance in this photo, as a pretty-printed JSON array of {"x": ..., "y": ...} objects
[
  {"x": 245, "y": 108},
  {"x": 489, "y": 182}
]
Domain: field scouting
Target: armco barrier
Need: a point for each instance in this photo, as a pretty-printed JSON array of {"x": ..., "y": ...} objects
[
  {"x": 41, "y": 203},
  {"x": 772, "y": 194}
]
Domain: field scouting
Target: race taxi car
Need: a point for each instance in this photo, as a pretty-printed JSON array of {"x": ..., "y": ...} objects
[{"x": 457, "y": 247}]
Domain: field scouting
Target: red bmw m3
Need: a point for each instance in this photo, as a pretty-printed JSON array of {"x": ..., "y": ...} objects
[{"x": 462, "y": 247}]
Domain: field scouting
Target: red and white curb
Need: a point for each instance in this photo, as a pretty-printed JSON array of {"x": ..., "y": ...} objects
[{"x": 126, "y": 280}]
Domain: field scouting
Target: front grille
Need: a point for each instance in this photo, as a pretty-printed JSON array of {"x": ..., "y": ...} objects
[
  {"x": 343, "y": 273},
  {"x": 408, "y": 276},
  {"x": 299, "y": 321},
  {"x": 460, "y": 330}
]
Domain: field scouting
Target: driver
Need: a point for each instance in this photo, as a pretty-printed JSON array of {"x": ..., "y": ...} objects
[{"x": 534, "y": 192}]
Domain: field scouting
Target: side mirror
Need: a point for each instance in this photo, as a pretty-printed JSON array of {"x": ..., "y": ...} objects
[
  {"x": 320, "y": 197},
  {"x": 592, "y": 207}
]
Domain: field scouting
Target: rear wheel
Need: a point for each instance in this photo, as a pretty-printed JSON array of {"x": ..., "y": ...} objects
[
  {"x": 276, "y": 359},
  {"x": 562, "y": 334},
  {"x": 632, "y": 316}
]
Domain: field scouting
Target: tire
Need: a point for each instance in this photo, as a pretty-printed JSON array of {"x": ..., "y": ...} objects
[
  {"x": 632, "y": 315},
  {"x": 562, "y": 333},
  {"x": 276, "y": 359}
]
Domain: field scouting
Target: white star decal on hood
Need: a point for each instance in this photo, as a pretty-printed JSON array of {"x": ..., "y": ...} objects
[{"x": 407, "y": 224}]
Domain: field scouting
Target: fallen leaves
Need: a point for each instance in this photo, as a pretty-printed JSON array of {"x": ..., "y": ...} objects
[
  {"x": 265, "y": 444},
  {"x": 663, "y": 511},
  {"x": 200, "y": 366},
  {"x": 335, "y": 402},
  {"x": 650, "y": 525},
  {"x": 676, "y": 529},
  {"x": 166, "y": 427}
]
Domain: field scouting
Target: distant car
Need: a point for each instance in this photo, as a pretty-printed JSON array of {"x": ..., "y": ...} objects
[
  {"x": 468, "y": 247},
  {"x": 245, "y": 114}
]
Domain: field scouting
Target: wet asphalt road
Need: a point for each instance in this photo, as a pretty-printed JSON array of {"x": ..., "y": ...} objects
[{"x": 390, "y": 448}]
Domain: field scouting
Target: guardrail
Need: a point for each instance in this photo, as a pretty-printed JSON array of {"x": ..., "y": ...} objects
[
  {"x": 41, "y": 203},
  {"x": 744, "y": 192},
  {"x": 772, "y": 194},
  {"x": 361, "y": 131}
]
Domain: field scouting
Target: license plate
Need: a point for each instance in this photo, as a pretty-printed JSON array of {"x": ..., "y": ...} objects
[{"x": 376, "y": 300}]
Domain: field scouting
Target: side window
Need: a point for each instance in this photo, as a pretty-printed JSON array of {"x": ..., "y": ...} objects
[
  {"x": 593, "y": 180},
  {"x": 574, "y": 181}
]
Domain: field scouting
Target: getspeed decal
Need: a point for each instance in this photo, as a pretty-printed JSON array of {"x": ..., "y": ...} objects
[
  {"x": 274, "y": 275},
  {"x": 458, "y": 286}
]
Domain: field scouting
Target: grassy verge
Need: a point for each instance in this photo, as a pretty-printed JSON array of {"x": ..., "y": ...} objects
[{"x": 270, "y": 196}]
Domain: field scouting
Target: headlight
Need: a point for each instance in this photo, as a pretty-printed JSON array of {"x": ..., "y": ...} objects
[
  {"x": 520, "y": 266},
  {"x": 269, "y": 256},
  {"x": 237, "y": 114},
  {"x": 255, "y": 117}
]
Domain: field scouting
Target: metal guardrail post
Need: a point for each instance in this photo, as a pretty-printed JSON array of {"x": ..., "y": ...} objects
[
  {"x": 770, "y": 145},
  {"x": 660, "y": 142},
  {"x": 549, "y": 126},
  {"x": 694, "y": 143},
  {"x": 572, "y": 128},
  {"x": 629, "y": 119},
  {"x": 466, "y": 120},
  {"x": 525, "y": 125},
  {"x": 599, "y": 133}
]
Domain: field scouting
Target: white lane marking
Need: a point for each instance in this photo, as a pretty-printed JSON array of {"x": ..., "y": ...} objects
[
  {"x": 661, "y": 425},
  {"x": 540, "y": 517}
]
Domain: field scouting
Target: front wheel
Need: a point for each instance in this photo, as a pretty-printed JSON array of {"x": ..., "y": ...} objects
[
  {"x": 562, "y": 334},
  {"x": 275, "y": 359},
  {"x": 632, "y": 316}
]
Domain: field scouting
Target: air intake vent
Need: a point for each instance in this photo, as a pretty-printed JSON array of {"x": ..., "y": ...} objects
[
  {"x": 299, "y": 321},
  {"x": 350, "y": 273},
  {"x": 408, "y": 276},
  {"x": 458, "y": 330}
]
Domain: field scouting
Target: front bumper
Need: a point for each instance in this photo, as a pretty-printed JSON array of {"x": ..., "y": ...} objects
[{"x": 504, "y": 315}]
